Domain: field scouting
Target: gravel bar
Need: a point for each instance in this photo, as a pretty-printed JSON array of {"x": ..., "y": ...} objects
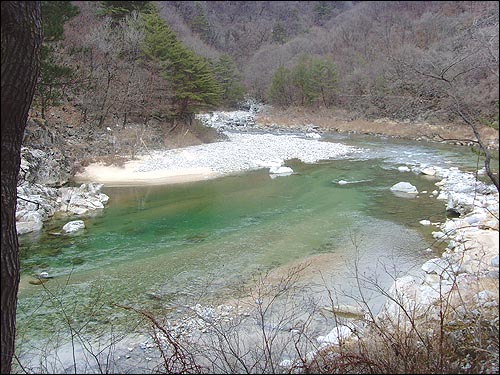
[{"x": 243, "y": 152}]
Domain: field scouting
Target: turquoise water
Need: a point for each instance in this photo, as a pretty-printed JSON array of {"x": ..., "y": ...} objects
[{"x": 159, "y": 247}]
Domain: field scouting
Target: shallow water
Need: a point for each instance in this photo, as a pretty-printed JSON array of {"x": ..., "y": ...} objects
[{"x": 159, "y": 247}]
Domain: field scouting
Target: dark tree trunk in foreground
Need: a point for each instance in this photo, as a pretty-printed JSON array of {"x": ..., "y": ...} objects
[{"x": 21, "y": 42}]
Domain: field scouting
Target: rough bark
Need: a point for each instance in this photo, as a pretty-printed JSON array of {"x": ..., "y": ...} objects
[{"x": 21, "y": 42}]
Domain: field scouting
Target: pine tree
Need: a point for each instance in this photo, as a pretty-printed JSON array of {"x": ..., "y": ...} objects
[
  {"x": 323, "y": 81},
  {"x": 228, "y": 78},
  {"x": 54, "y": 15},
  {"x": 308, "y": 82},
  {"x": 280, "y": 92},
  {"x": 323, "y": 11},
  {"x": 300, "y": 76},
  {"x": 53, "y": 79},
  {"x": 201, "y": 25},
  {"x": 53, "y": 76},
  {"x": 120, "y": 9},
  {"x": 20, "y": 42},
  {"x": 191, "y": 76}
]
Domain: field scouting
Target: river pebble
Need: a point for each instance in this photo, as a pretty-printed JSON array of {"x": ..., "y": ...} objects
[{"x": 243, "y": 152}]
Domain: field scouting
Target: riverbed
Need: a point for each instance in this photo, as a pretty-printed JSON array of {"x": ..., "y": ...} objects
[{"x": 164, "y": 247}]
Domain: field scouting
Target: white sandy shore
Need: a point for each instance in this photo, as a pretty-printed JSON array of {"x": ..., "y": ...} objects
[
  {"x": 241, "y": 152},
  {"x": 128, "y": 175}
]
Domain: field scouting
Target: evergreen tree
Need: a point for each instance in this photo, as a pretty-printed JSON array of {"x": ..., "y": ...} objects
[
  {"x": 280, "y": 92},
  {"x": 201, "y": 25},
  {"x": 120, "y": 9},
  {"x": 20, "y": 42},
  {"x": 54, "y": 15},
  {"x": 323, "y": 11},
  {"x": 191, "y": 76},
  {"x": 54, "y": 77},
  {"x": 279, "y": 34},
  {"x": 323, "y": 81},
  {"x": 228, "y": 78},
  {"x": 308, "y": 82},
  {"x": 300, "y": 76}
]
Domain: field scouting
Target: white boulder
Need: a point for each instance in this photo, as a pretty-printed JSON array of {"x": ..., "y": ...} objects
[
  {"x": 336, "y": 336},
  {"x": 404, "y": 187},
  {"x": 280, "y": 170},
  {"x": 428, "y": 171},
  {"x": 73, "y": 226},
  {"x": 313, "y": 135},
  {"x": 441, "y": 267},
  {"x": 28, "y": 221}
]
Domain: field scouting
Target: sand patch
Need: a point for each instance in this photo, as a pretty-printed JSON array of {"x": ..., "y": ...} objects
[{"x": 127, "y": 174}]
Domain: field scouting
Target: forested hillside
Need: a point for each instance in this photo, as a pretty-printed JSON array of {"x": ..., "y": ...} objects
[{"x": 161, "y": 62}]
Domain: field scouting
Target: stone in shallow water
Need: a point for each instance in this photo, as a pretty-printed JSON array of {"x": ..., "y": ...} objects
[
  {"x": 404, "y": 187},
  {"x": 280, "y": 170},
  {"x": 428, "y": 171},
  {"x": 73, "y": 226}
]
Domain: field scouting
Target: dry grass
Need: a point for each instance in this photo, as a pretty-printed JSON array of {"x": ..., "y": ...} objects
[
  {"x": 341, "y": 121},
  {"x": 185, "y": 135}
]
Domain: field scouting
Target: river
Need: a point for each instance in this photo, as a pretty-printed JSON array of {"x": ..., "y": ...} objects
[{"x": 161, "y": 247}]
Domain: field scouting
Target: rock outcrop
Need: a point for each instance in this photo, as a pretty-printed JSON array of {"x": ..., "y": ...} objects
[{"x": 37, "y": 203}]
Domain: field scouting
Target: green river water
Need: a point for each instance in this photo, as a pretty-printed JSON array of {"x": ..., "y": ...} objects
[{"x": 157, "y": 247}]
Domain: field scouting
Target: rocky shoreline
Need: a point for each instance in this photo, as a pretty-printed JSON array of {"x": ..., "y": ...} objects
[
  {"x": 466, "y": 273},
  {"x": 465, "y": 276},
  {"x": 37, "y": 203},
  {"x": 249, "y": 145}
]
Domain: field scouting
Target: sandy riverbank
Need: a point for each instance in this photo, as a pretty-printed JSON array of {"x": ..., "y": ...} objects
[
  {"x": 128, "y": 175},
  {"x": 240, "y": 153}
]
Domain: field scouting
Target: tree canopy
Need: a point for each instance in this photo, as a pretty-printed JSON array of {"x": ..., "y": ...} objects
[
  {"x": 310, "y": 82},
  {"x": 190, "y": 76},
  {"x": 54, "y": 76}
]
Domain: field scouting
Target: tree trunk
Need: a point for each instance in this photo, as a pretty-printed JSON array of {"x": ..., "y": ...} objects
[{"x": 21, "y": 42}]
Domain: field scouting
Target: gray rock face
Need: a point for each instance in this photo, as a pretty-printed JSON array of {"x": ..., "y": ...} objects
[
  {"x": 81, "y": 200},
  {"x": 441, "y": 267},
  {"x": 37, "y": 203},
  {"x": 28, "y": 221},
  {"x": 233, "y": 120},
  {"x": 46, "y": 168},
  {"x": 228, "y": 120}
]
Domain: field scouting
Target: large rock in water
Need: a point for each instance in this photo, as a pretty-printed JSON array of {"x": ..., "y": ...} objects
[
  {"x": 280, "y": 170},
  {"x": 28, "y": 221},
  {"x": 73, "y": 226},
  {"x": 404, "y": 187},
  {"x": 81, "y": 200},
  {"x": 37, "y": 203}
]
